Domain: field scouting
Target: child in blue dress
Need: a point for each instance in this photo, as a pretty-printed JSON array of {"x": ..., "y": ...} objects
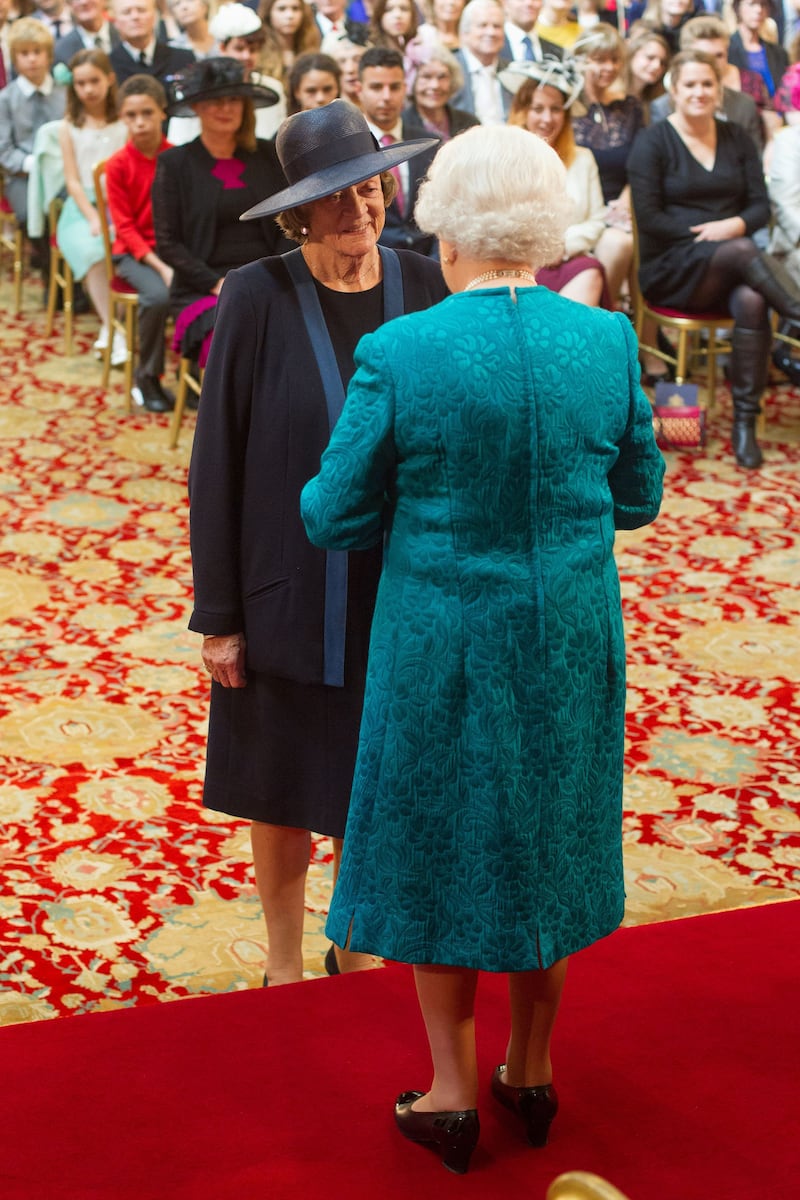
[{"x": 90, "y": 133}]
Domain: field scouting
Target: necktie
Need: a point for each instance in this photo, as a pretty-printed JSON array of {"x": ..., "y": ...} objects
[
  {"x": 143, "y": 58},
  {"x": 98, "y": 41},
  {"x": 56, "y": 27},
  {"x": 400, "y": 200},
  {"x": 527, "y": 46}
]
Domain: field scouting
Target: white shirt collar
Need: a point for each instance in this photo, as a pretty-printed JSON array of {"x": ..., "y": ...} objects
[
  {"x": 27, "y": 88},
  {"x": 396, "y": 131},
  {"x": 88, "y": 39},
  {"x": 475, "y": 65},
  {"x": 149, "y": 51}
]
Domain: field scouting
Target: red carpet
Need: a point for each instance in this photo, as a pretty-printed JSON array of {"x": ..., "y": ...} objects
[{"x": 677, "y": 1064}]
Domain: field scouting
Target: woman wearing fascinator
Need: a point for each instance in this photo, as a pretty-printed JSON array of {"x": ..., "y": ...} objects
[
  {"x": 285, "y": 625},
  {"x": 544, "y": 93}
]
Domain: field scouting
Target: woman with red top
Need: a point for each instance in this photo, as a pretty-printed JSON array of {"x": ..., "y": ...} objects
[{"x": 129, "y": 181}]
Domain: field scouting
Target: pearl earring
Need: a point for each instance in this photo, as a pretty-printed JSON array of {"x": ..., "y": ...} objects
[{"x": 304, "y": 230}]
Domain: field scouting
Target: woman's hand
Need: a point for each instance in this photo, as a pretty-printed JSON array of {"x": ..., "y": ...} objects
[
  {"x": 719, "y": 231},
  {"x": 224, "y": 659}
]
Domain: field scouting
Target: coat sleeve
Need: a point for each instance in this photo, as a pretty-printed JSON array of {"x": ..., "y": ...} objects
[
  {"x": 217, "y": 465},
  {"x": 12, "y": 158},
  {"x": 784, "y": 184},
  {"x": 582, "y": 237},
  {"x": 172, "y": 223},
  {"x": 647, "y": 170},
  {"x": 343, "y": 507},
  {"x": 636, "y": 479}
]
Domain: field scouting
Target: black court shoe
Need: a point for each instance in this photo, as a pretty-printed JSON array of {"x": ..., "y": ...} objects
[
  {"x": 536, "y": 1106},
  {"x": 454, "y": 1135},
  {"x": 331, "y": 965}
]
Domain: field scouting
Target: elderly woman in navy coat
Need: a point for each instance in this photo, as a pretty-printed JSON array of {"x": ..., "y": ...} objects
[
  {"x": 495, "y": 442},
  {"x": 286, "y": 626}
]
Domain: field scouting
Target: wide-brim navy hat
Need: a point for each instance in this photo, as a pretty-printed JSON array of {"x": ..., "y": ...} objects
[
  {"x": 213, "y": 79},
  {"x": 324, "y": 150}
]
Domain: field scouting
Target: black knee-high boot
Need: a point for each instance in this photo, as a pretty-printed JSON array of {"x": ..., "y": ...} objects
[
  {"x": 768, "y": 276},
  {"x": 749, "y": 364}
]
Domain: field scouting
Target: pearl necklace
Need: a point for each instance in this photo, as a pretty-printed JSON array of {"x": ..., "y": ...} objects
[{"x": 516, "y": 273}]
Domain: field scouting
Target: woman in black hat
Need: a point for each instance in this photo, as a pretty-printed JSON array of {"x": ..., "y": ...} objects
[
  {"x": 201, "y": 188},
  {"x": 285, "y": 625}
]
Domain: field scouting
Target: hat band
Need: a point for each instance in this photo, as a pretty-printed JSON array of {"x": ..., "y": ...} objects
[{"x": 329, "y": 155}]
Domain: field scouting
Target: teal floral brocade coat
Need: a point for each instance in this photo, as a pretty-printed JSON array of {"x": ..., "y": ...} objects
[{"x": 496, "y": 445}]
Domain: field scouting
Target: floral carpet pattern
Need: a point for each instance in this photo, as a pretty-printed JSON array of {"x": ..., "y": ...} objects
[{"x": 118, "y": 889}]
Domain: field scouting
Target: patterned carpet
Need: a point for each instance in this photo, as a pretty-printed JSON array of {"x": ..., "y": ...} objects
[{"x": 118, "y": 890}]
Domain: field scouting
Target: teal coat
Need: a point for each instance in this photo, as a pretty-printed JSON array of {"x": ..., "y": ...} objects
[{"x": 496, "y": 445}]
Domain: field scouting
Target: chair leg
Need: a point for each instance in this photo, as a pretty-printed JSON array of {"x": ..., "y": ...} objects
[
  {"x": 18, "y": 252},
  {"x": 130, "y": 338},
  {"x": 52, "y": 292},
  {"x": 683, "y": 354},
  {"x": 180, "y": 403},
  {"x": 68, "y": 299}
]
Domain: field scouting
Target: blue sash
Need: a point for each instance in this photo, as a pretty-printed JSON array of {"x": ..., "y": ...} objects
[{"x": 336, "y": 560}]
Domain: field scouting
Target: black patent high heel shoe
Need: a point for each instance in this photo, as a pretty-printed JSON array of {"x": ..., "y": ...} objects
[
  {"x": 536, "y": 1106},
  {"x": 453, "y": 1134}
]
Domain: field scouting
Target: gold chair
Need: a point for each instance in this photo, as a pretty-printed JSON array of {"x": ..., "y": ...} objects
[
  {"x": 583, "y": 1185},
  {"x": 689, "y": 328},
  {"x": 121, "y": 295},
  {"x": 11, "y": 240},
  {"x": 187, "y": 382},
  {"x": 60, "y": 277}
]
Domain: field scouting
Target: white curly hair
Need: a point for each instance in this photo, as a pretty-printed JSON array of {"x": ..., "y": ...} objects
[{"x": 495, "y": 192}]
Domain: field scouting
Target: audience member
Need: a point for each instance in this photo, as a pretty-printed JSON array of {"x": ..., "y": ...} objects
[
  {"x": 29, "y": 101},
  {"x": 555, "y": 23},
  {"x": 347, "y": 56},
  {"x": 522, "y": 42},
  {"x": 787, "y": 97},
  {"x": 383, "y": 98},
  {"x": 393, "y": 24},
  {"x": 139, "y": 53},
  {"x": 442, "y": 22},
  {"x": 784, "y": 193},
  {"x": 608, "y": 129},
  {"x": 240, "y": 35},
  {"x": 289, "y": 31},
  {"x": 192, "y": 19},
  {"x": 699, "y": 196},
  {"x": 710, "y": 35},
  {"x": 201, "y": 189},
  {"x": 647, "y": 55},
  {"x": 91, "y": 31},
  {"x": 5, "y": 57},
  {"x": 543, "y": 95},
  {"x": 761, "y": 64},
  {"x": 438, "y": 77},
  {"x": 129, "y": 181},
  {"x": 331, "y": 17},
  {"x": 91, "y": 132},
  {"x": 482, "y": 33},
  {"x": 55, "y": 15},
  {"x": 314, "y": 80},
  {"x": 666, "y": 17}
]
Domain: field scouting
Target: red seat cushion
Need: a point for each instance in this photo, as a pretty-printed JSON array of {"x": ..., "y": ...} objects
[
  {"x": 710, "y": 318},
  {"x": 118, "y": 284}
]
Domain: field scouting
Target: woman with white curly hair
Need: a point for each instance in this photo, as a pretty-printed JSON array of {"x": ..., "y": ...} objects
[{"x": 493, "y": 443}]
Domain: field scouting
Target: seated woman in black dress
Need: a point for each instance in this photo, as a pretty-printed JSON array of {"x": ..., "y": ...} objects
[
  {"x": 201, "y": 188},
  {"x": 698, "y": 196}
]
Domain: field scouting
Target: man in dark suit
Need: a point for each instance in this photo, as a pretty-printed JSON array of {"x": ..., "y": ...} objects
[
  {"x": 522, "y": 43},
  {"x": 482, "y": 33},
  {"x": 90, "y": 31},
  {"x": 383, "y": 97},
  {"x": 139, "y": 53},
  {"x": 332, "y": 19}
]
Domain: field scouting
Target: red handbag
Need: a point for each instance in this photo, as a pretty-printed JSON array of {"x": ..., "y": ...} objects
[{"x": 679, "y": 422}]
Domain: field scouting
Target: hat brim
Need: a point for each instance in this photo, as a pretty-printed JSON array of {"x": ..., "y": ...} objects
[
  {"x": 261, "y": 96},
  {"x": 337, "y": 176},
  {"x": 513, "y": 77}
]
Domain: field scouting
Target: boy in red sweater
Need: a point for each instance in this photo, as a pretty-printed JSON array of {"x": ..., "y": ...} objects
[{"x": 129, "y": 181}]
